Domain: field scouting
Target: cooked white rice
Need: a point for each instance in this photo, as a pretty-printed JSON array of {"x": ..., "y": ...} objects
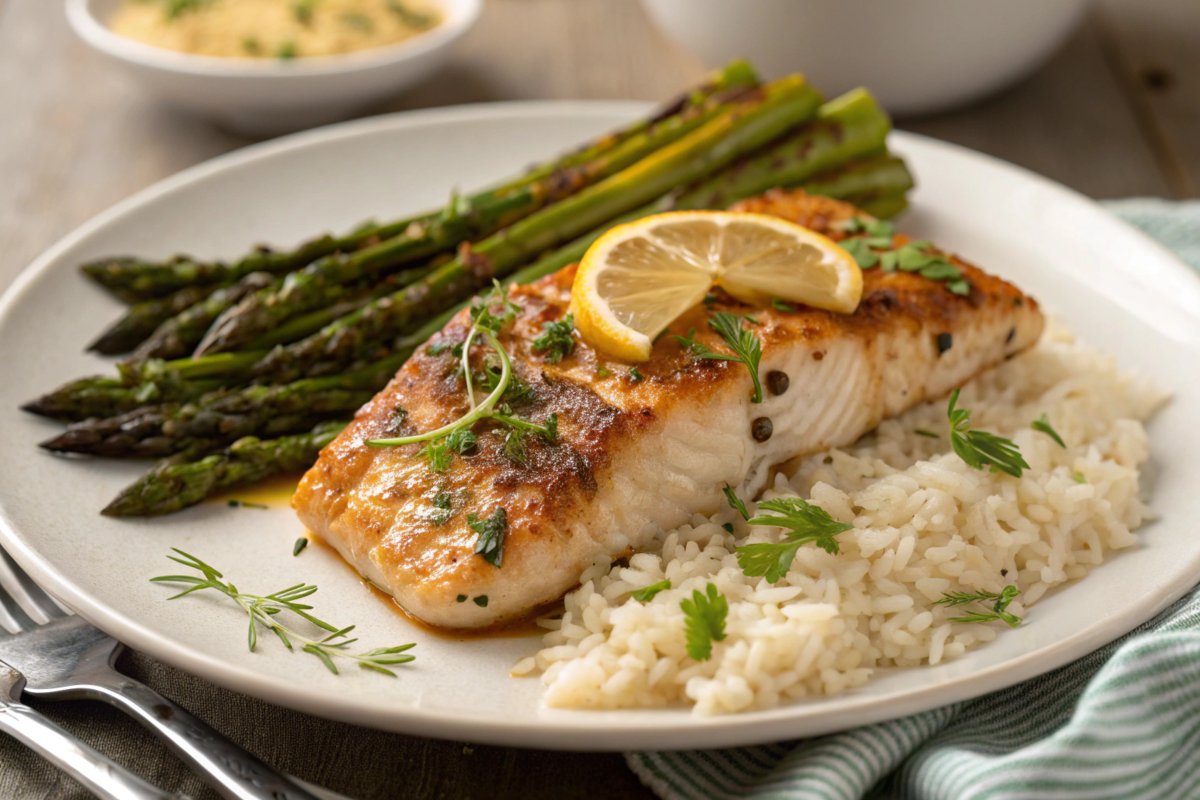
[{"x": 924, "y": 523}]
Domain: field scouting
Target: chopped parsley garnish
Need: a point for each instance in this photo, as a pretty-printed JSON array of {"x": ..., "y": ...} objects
[
  {"x": 557, "y": 339},
  {"x": 602, "y": 372},
  {"x": 492, "y": 531},
  {"x": 251, "y": 46},
  {"x": 1043, "y": 424},
  {"x": 441, "y": 346},
  {"x": 709, "y": 299},
  {"x": 873, "y": 246},
  {"x": 980, "y": 448},
  {"x": 727, "y": 527},
  {"x": 444, "y": 503},
  {"x": 299, "y": 546},
  {"x": 481, "y": 601},
  {"x": 745, "y": 345},
  {"x": 440, "y": 452},
  {"x": 634, "y": 375},
  {"x": 925, "y": 433},
  {"x": 998, "y": 612},
  {"x": 286, "y": 51},
  {"x": 462, "y": 598},
  {"x": 1078, "y": 476},
  {"x": 807, "y": 523},
  {"x": 704, "y": 623},
  {"x": 780, "y": 305},
  {"x": 646, "y": 593},
  {"x": 736, "y": 503}
]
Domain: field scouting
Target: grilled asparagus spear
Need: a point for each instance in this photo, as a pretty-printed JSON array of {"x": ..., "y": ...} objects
[
  {"x": 176, "y": 484},
  {"x": 135, "y": 279}
]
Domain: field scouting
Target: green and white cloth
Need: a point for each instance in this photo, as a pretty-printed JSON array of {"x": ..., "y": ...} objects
[{"x": 1123, "y": 722}]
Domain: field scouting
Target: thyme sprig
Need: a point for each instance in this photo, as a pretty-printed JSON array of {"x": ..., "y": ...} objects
[
  {"x": 998, "y": 612},
  {"x": 264, "y": 609}
]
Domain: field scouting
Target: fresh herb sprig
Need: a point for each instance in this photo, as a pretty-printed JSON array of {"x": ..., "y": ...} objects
[
  {"x": 704, "y": 621},
  {"x": 745, "y": 345},
  {"x": 1000, "y": 603},
  {"x": 264, "y": 610},
  {"x": 488, "y": 316},
  {"x": 557, "y": 339},
  {"x": 805, "y": 523},
  {"x": 980, "y": 448}
]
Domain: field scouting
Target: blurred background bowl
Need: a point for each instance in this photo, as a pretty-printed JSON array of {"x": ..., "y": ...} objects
[
  {"x": 265, "y": 97},
  {"x": 917, "y": 56}
]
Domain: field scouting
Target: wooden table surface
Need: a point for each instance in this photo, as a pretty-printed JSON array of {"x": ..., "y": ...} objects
[{"x": 1115, "y": 113}]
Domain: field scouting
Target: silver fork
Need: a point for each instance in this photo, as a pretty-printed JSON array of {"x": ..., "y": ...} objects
[
  {"x": 104, "y": 778},
  {"x": 62, "y": 657}
]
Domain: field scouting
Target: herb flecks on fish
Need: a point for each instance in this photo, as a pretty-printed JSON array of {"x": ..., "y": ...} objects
[
  {"x": 488, "y": 316},
  {"x": 872, "y": 245},
  {"x": 492, "y": 531},
  {"x": 557, "y": 339}
]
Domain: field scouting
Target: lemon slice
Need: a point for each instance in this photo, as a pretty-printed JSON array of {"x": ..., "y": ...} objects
[{"x": 639, "y": 277}]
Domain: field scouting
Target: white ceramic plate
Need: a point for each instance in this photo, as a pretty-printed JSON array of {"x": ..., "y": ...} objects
[{"x": 1119, "y": 290}]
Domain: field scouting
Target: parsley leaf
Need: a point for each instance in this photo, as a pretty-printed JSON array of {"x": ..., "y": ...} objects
[
  {"x": 980, "y": 448},
  {"x": 1043, "y": 424},
  {"x": 440, "y": 452},
  {"x": 744, "y": 343},
  {"x": 634, "y": 375},
  {"x": 704, "y": 621},
  {"x": 646, "y": 593},
  {"x": 556, "y": 339},
  {"x": 998, "y": 612},
  {"x": 736, "y": 503},
  {"x": 492, "y": 531},
  {"x": 808, "y": 523}
]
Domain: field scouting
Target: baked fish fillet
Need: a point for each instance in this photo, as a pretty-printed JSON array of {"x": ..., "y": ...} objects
[{"x": 633, "y": 456}]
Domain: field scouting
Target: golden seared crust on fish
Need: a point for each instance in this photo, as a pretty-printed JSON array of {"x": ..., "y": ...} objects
[{"x": 635, "y": 454}]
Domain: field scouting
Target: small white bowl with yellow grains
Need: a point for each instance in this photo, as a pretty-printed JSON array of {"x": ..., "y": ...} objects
[{"x": 265, "y": 67}]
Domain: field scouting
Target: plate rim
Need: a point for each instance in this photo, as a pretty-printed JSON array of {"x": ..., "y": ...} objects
[{"x": 579, "y": 733}]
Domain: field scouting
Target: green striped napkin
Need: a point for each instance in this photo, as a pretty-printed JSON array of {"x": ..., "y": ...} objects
[{"x": 1122, "y": 722}]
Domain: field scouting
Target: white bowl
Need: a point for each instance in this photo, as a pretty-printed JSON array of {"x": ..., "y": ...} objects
[
  {"x": 270, "y": 96},
  {"x": 916, "y": 56}
]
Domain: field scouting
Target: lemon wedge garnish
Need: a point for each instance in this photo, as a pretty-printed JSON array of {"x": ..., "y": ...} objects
[{"x": 639, "y": 277}]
